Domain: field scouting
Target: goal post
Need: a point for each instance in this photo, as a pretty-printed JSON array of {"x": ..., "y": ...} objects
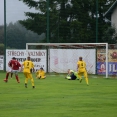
[{"x": 58, "y": 52}]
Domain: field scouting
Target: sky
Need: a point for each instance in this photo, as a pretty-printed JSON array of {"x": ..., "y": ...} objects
[
  {"x": 14, "y": 11},
  {"x": 1, "y": 12}
]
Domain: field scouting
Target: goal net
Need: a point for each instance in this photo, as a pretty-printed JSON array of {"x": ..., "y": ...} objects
[{"x": 60, "y": 57}]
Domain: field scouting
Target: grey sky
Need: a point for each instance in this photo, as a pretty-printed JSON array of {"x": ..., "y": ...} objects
[
  {"x": 14, "y": 11},
  {"x": 1, "y": 12}
]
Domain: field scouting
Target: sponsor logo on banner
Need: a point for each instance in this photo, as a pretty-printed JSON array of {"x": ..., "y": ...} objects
[{"x": 38, "y": 57}]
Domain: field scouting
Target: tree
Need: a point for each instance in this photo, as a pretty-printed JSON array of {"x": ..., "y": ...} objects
[
  {"x": 1, "y": 49},
  {"x": 110, "y": 35},
  {"x": 18, "y": 36},
  {"x": 1, "y": 40},
  {"x": 68, "y": 19},
  {"x": 1, "y": 34}
]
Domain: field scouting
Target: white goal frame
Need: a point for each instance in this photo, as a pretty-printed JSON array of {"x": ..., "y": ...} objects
[{"x": 85, "y": 45}]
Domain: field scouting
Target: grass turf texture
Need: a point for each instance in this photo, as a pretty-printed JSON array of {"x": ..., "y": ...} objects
[{"x": 58, "y": 97}]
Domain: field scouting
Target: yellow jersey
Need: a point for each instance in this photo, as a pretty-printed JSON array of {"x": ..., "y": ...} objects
[
  {"x": 81, "y": 65},
  {"x": 28, "y": 65},
  {"x": 40, "y": 73}
]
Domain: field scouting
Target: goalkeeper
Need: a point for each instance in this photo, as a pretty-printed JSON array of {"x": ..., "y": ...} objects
[{"x": 72, "y": 75}]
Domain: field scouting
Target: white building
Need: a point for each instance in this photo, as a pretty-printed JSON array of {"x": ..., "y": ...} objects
[{"x": 111, "y": 14}]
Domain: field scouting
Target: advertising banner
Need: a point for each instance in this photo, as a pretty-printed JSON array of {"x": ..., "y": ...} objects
[
  {"x": 112, "y": 59},
  {"x": 38, "y": 57},
  {"x": 63, "y": 59},
  {"x": 112, "y": 62},
  {"x": 1, "y": 62},
  {"x": 101, "y": 64}
]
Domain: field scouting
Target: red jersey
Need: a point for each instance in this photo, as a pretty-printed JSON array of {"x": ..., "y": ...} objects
[
  {"x": 15, "y": 64},
  {"x": 9, "y": 64}
]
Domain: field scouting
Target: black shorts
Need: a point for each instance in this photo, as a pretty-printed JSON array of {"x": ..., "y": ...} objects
[{"x": 73, "y": 77}]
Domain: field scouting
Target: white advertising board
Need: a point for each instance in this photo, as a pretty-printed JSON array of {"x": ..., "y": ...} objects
[
  {"x": 63, "y": 59},
  {"x": 1, "y": 62},
  {"x": 37, "y": 56}
]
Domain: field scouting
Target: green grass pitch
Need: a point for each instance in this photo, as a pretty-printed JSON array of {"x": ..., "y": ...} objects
[{"x": 57, "y": 97}]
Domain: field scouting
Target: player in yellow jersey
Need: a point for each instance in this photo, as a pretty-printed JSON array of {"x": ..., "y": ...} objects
[
  {"x": 28, "y": 67},
  {"x": 81, "y": 66},
  {"x": 40, "y": 74}
]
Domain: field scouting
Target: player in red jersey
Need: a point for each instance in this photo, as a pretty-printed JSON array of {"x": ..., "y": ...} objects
[
  {"x": 15, "y": 68},
  {"x": 14, "y": 65},
  {"x": 9, "y": 71}
]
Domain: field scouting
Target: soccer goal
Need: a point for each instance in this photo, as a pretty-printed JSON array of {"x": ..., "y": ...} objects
[{"x": 59, "y": 57}]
